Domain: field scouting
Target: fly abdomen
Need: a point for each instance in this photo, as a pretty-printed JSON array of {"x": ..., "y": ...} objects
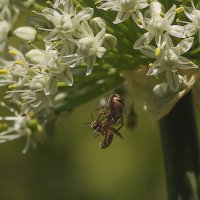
[{"x": 107, "y": 141}]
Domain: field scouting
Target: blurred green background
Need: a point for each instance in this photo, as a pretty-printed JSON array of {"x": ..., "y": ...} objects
[{"x": 70, "y": 165}]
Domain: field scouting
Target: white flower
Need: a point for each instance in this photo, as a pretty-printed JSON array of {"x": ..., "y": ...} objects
[
  {"x": 194, "y": 15},
  {"x": 159, "y": 27},
  {"x": 91, "y": 47},
  {"x": 170, "y": 60},
  {"x": 14, "y": 72},
  {"x": 25, "y": 33},
  {"x": 125, "y": 8},
  {"x": 53, "y": 70},
  {"x": 41, "y": 57},
  {"x": 33, "y": 125},
  {"x": 66, "y": 20},
  {"x": 18, "y": 127}
]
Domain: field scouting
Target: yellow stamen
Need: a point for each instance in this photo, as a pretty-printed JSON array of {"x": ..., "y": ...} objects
[
  {"x": 19, "y": 62},
  {"x": 12, "y": 52},
  {"x": 149, "y": 1},
  {"x": 46, "y": 70},
  {"x": 12, "y": 86},
  {"x": 33, "y": 11},
  {"x": 4, "y": 71},
  {"x": 162, "y": 14},
  {"x": 29, "y": 43},
  {"x": 180, "y": 10},
  {"x": 157, "y": 51},
  {"x": 139, "y": 21},
  {"x": 3, "y": 125},
  {"x": 99, "y": 1},
  {"x": 61, "y": 84},
  {"x": 150, "y": 64},
  {"x": 36, "y": 27},
  {"x": 29, "y": 76},
  {"x": 190, "y": 63},
  {"x": 177, "y": 20}
]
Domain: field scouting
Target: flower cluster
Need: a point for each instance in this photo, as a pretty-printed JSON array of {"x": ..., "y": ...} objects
[
  {"x": 75, "y": 34},
  {"x": 32, "y": 77},
  {"x": 157, "y": 42}
]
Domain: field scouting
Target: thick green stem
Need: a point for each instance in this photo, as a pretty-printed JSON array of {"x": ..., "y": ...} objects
[{"x": 181, "y": 151}]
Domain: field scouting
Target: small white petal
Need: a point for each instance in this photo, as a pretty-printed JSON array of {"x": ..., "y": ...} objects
[
  {"x": 189, "y": 13},
  {"x": 68, "y": 47},
  {"x": 90, "y": 63},
  {"x": 67, "y": 77},
  {"x": 137, "y": 15},
  {"x": 185, "y": 45},
  {"x": 121, "y": 16},
  {"x": 107, "y": 6},
  {"x": 53, "y": 35},
  {"x": 100, "y": 37},
  {"x": 155, "y": 8},
  {"x": 186, "y": 63},
  {"x": 85, "y": 14},
  {"x": 155, "y": 70},
  {"x": 86, "y": 29},
  {"x": 148, "y": 51},
  {"x": 143, "y": 41},
  {"x": 161, "y": 90},
  {"x": 57, "y": 3},
  {"x": 100, "y": 52},
  {"x": 170, "y": 14},
  {"x": 85, "y": 46},
  {"x": 52, "y": 15},
  {"x": 173, "y": 80},
  {"x": 51, "y": 87},
  {"x": 142, "y": 4},
  {"x": 177, "y": 31},
  {"x": 190, "y": 29},
  {"x": 71, "y": 59},
  {"x": 69, "y": 7}
]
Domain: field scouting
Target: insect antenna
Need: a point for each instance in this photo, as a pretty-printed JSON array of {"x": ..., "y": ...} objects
[{"x": 92, "y": 117}]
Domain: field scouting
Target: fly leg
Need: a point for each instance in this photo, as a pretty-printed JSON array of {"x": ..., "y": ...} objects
[
  {"x": 116, "y": 132},
  {"x": 121, "y": 123}
]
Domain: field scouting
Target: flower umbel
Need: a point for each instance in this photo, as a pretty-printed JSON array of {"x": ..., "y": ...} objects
[{"x": 170, "y": 61}]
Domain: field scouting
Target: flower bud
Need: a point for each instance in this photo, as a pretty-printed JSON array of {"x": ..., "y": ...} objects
[
  {"x": 109, "y": 42},
  {"x": 36, "y": 56},
  {"x": 33, "y": 124},
  {"x": 26, "y": 33}
]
